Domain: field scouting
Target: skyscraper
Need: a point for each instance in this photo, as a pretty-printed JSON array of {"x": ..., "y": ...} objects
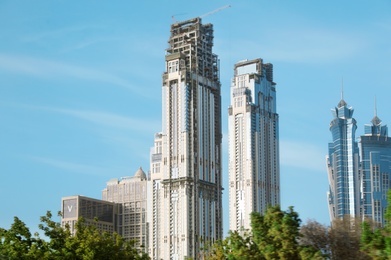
[
  {"x": 344, "y": 195},
  {"x": 186, "y": 161},
  {"x": 375, "y": 152},
  {"x": 254, "y": 173}
]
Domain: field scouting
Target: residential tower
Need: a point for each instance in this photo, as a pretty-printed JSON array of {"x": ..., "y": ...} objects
[{"x": 254, "y": 171}]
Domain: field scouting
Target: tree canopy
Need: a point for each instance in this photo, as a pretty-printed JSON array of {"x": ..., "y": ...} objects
[
  {"x": 376, "y": 242},
  {"x": 88, "y": 243},
  {"x": 272, "y": 236}
]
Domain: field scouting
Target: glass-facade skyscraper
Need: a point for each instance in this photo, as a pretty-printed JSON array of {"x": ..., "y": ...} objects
[
  {"x": 254, "y": 173},
  {"x": 344, "y": 196},
  {"x": 186, "y": 181},
  {"x": 375, "y": 148}
]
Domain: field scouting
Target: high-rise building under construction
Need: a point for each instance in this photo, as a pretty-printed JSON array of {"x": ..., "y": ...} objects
[{"x": 186, "y": 185}]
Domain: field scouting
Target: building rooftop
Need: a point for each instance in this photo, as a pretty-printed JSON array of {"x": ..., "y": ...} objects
[{"x": 140, "y": 174}]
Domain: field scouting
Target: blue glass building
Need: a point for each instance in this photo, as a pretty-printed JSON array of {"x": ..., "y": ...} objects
[
  {"x": 375, "y": 153},
  {"x": 343, "y": 164}
]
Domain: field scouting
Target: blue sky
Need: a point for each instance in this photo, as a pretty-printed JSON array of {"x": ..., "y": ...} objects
[{"x": 80, "y": 88}]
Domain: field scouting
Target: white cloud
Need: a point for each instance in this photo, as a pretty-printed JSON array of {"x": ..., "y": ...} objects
[
  {"x": 302, "y": 155},
  {"x": 42, "y": 68},
  {"x": 65, "y": 32},
  {"x": 296, "y": 154},
  {"x": 102, "y": 118},
  {"x": 314, "y": 46},
  {"x": 71, "y": 166},
  {"x": 304, "y": 45},
  {"x": 112, "y": 120}
]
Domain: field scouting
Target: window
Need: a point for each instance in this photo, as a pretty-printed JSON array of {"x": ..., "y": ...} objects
[{"x": 173, "y": 66}]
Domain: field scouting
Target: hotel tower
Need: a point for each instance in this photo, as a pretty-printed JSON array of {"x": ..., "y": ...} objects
[
  {"x": 375, "y": 154},
  {"x": 254, "y": 173},
  {"x": 344, "y": 196},
  {"x": 186, "y": 187}
]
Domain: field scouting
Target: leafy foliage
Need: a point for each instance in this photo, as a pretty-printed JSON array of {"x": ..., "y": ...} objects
[
  {"x": 339, "y": 241},
  {"x": 376, "y": 242},
  {"x": 273, "y": 236},
  {"x": 316, "y": 235},
  {"x": 88, "y": 243}
]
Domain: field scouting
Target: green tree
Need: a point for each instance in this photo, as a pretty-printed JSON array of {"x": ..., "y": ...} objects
[
  {"x": 272, "y": 236},
  {"x": 277, "y": 233},
  {"x": 236, "y": 247},
  {"x": 375, "y": 241},
  {"x": 88, "y": 243},
  {"x": 18, "y": 243}
]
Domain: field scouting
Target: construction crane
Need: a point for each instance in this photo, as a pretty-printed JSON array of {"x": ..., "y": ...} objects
[
  {"x": 173, "y": 17},
  {"x": 202, "y": 16},
  {"x": 215, "y": 11}
]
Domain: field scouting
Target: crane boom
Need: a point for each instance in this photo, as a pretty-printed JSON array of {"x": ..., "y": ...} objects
[{"x": 215, "y": 11}]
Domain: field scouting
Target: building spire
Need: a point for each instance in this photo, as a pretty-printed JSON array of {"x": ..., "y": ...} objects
[
  {"x": 376, "y": 120},
  {"x": 342, "y": 103}
]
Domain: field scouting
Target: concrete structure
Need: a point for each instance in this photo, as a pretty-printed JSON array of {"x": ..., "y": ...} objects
[
  {"x": 375, "y": 154},
  {"x": 344, "y": 196},
  {"x": 130, "y": 195},
  {"x": 74, "y": 207},
  {"x": 155, "y": 212},
  {"x": 186, "y": 161},
  {"x": 254, "y": 173}
]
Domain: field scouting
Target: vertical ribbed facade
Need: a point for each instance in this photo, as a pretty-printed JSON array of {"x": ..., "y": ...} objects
[
  {"x": 344, "y": 196},
  {"x": 187, "y": 187},
  {"x": 375, "y": 148},
  {"x": 130, "y": 196},
  {"x": 254, "y": 173}
]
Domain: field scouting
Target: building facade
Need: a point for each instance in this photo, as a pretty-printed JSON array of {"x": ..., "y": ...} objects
[
  {"x": 344, "y": 196},
  {"x": 254, "y": 173},
  {"x": 155, "y": 212},
  {"x": 130, "y": 196},
  {"x": 74, "y": 207},
  {"x": 375, "y": 154},
  {"x": 187, "y": 187}
]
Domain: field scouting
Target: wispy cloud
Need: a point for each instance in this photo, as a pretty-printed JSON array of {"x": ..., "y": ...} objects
[
  {"x": 112, "y": 120},
  {"x": 60, "y": 33},
  {"x": 88, "y": 42},
  {"x": 101, "y": 118},
  {"x": 72, "y": 167},
  {"x": 48, "y": 69},
  {"x": 296, "y": 154},
  {"x": 123, "y": 132},
  {"x": 302, "y": 155},
  {"x": 307, "y": 45}
]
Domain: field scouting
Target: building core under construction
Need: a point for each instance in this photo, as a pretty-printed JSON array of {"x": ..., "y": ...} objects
[{"x": 186, "y": 183}]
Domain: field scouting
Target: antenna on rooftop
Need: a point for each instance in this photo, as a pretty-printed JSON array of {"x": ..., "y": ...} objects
[
  {"x": 342, "y": 90},
  {"x": 375, "y": 107}
]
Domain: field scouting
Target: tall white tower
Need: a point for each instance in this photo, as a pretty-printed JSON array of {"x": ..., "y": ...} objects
[
  {"x": 186, "y": 160},
  {"x": 254, "y": 172}
]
